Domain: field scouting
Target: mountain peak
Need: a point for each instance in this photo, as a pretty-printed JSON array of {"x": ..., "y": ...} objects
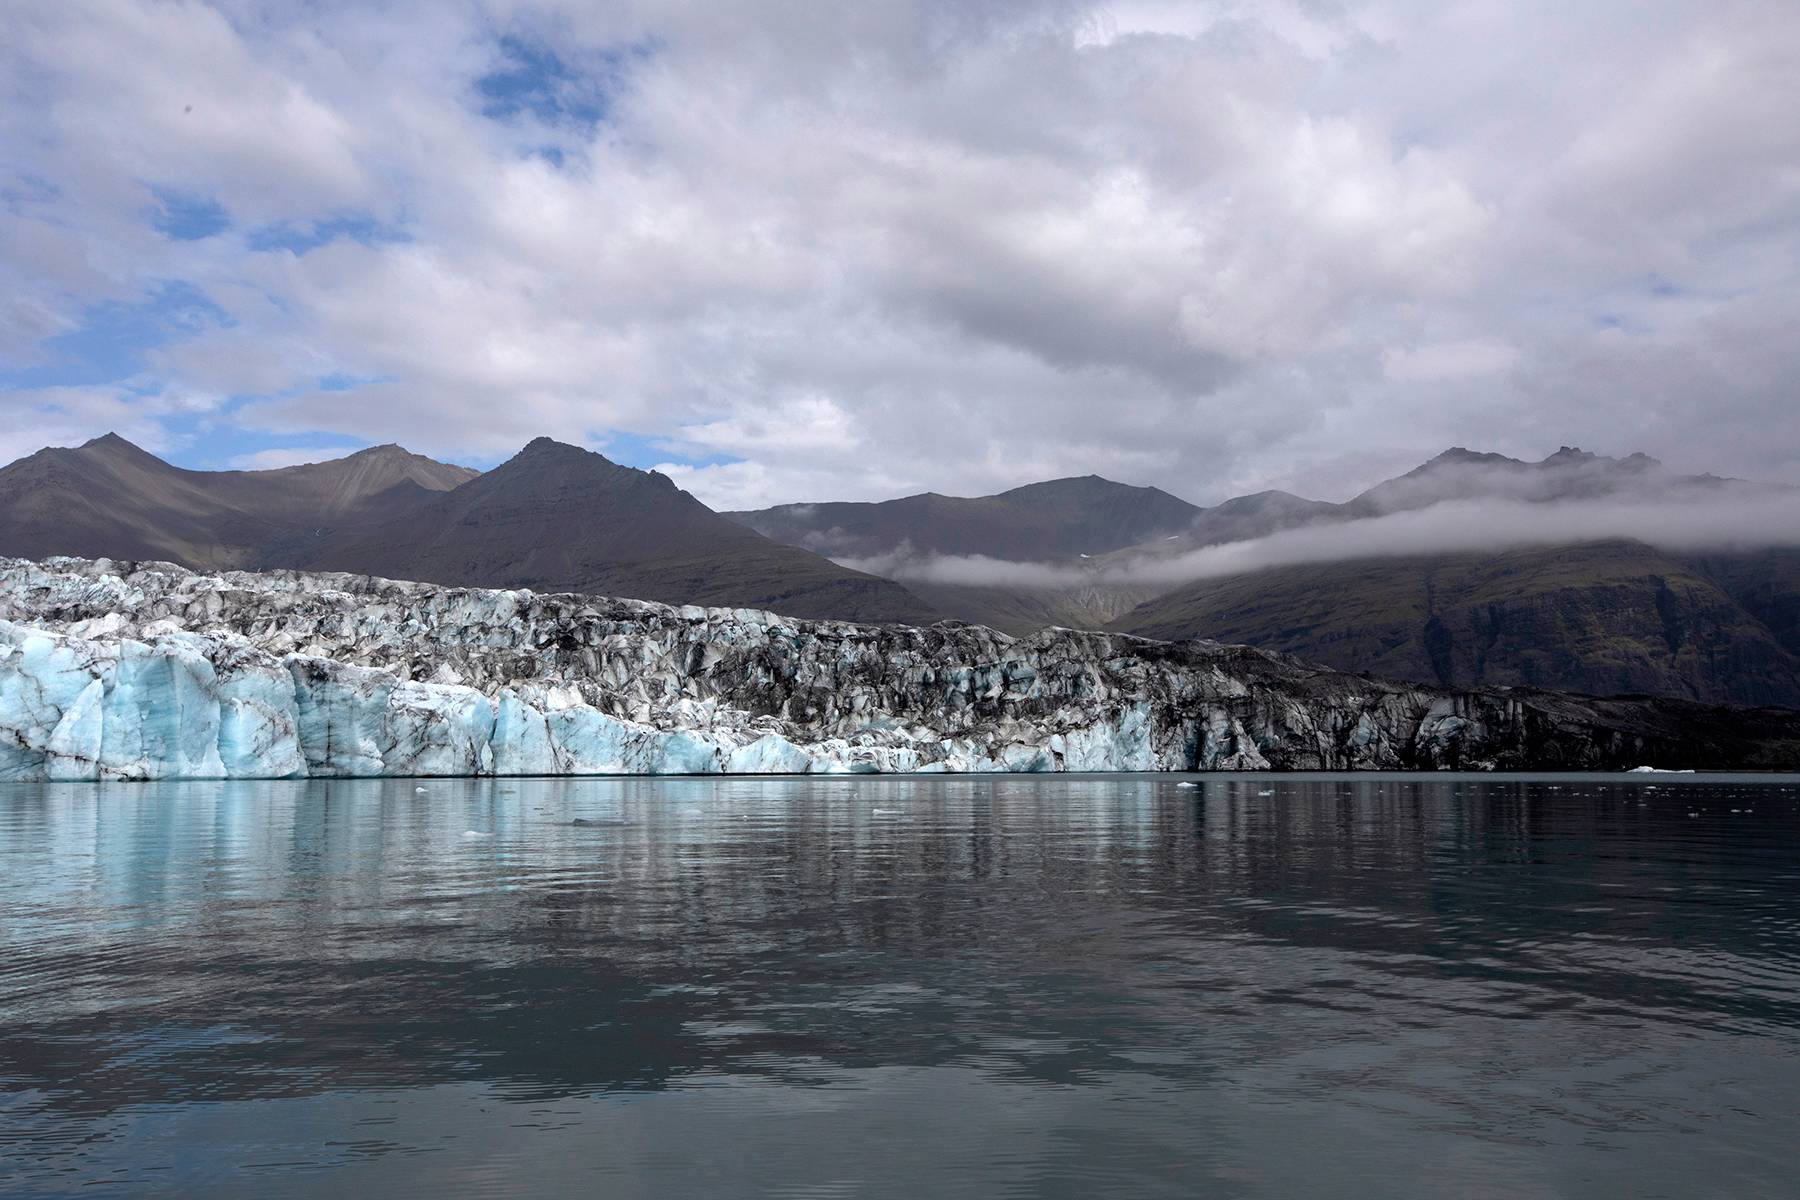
[
  {"x": 113, "y": 444},
  {"x": 1464, "y": 455},
  {"x": 549, "y": 450}
]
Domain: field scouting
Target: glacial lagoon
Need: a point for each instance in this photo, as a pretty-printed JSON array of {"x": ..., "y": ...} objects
[{"x": 1233, "y": 986}]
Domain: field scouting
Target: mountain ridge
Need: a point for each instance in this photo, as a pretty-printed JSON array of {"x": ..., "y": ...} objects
[
  {"x": 1055, "y": 518},
  {"x": 559, "y": 518},
  {"x": 1599, "y": 617},
  {"x": 384, "y": 508},
  {"x": 1596, "y": 616}
]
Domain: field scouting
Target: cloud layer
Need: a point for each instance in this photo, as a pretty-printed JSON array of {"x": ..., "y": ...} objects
[
  {"x": 1728, "y": 521},
  {"x": 803, "y": 252}
]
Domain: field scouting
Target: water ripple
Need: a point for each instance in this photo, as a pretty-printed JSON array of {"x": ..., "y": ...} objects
[{"x": 899, "y": 987}]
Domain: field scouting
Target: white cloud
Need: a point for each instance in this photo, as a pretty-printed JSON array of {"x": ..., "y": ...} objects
[
  {"x": 1447, "y": 360},
  {"x": 286, "y": 456},
  {"x": 874, "y": 250},
  {"x": 68, "y": 416}
]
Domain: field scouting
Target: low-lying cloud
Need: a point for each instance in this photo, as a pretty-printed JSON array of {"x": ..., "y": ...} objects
[
  {"x": 968, "y": 570},
  {"x": 1733, "y": 520}
]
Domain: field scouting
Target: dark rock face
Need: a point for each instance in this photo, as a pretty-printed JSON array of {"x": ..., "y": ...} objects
[
  {"x": 1603, "y": 619},
  {"x": 420, "y": 668}
]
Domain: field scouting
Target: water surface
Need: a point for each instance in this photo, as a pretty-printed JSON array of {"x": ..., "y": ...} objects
[{"x": 1257, "y": 987}]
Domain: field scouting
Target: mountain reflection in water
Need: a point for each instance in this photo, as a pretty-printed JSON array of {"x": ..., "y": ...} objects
[{"x": 1261, "y": 986}]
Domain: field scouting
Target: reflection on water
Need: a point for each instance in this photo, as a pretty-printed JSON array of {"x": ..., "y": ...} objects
[{"x": 902, "y": 987}]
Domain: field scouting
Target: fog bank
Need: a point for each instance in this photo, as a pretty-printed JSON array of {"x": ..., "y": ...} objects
[{"x": 1738, "y": 519}]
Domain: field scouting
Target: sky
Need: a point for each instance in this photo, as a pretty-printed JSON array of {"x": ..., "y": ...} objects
[{"x": 789, "y": 251}]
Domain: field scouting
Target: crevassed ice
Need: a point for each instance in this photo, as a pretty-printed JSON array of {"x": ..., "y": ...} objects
[
  {"x": 187, "y": 706},
  {"x": 147, "y": 671}
]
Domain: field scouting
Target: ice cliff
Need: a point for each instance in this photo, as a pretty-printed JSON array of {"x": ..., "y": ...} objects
[{"x": 114, "y": 670}]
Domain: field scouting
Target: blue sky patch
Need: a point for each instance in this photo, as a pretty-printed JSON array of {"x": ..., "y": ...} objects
[
  {"x": 645, "y": 452},
  {"x": 533, "y": 78},
  {"x": 300, "y": 237},
  {"x": 187, "y": 218},
  {"x": 212, "y": 441},
  {"x": 114, "y": 337}
]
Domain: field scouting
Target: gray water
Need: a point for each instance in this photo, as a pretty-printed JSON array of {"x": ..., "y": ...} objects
[{"x": 1064, "y": 986}]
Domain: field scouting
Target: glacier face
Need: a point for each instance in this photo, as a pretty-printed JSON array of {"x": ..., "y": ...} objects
[{"x": 149, "y": 671}]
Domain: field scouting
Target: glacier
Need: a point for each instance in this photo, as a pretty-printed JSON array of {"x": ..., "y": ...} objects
[{"x": 136, "y": 671}]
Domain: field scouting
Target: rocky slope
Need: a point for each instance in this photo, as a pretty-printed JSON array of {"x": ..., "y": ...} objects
[
  {"x": 554, "y": 517},
  {"x": 558, "y": 518},
  {"x": 108, "y": 497},
  {"x": 1059, "y": 518},
  {"x": 1601, "y": 618},
  {"x": 132, "y": 671}
]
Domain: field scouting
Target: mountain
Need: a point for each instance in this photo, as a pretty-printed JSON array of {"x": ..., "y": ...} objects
[
  {"x": 1766, "y": 584},
  {"x": 557, "y": 518},
  {"x": 1061, "y": 518},
  {"x": 1236, "y": 520},
  {"x": 1594, "y": 616},
  {"x": 1063, "y": 521},
  {"x": 372, "y": 478},
  {"x": 1601, "y": 618},
  {"x": 1606, "y": 616},
  {"x": 109, "y": 498},
  {"x": 554, "y": 517},
  {"x": 1107, "y": 538},
  {"x": 1609, "y": 616},
  {"x": 1569, "y": 474}
]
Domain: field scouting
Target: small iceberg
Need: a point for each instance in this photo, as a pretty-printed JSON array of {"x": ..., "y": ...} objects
[
  {"x": 1659, "y": 771},
  {"x": 1187, "y": 783},
  {"x": 476, "y": 833}
]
